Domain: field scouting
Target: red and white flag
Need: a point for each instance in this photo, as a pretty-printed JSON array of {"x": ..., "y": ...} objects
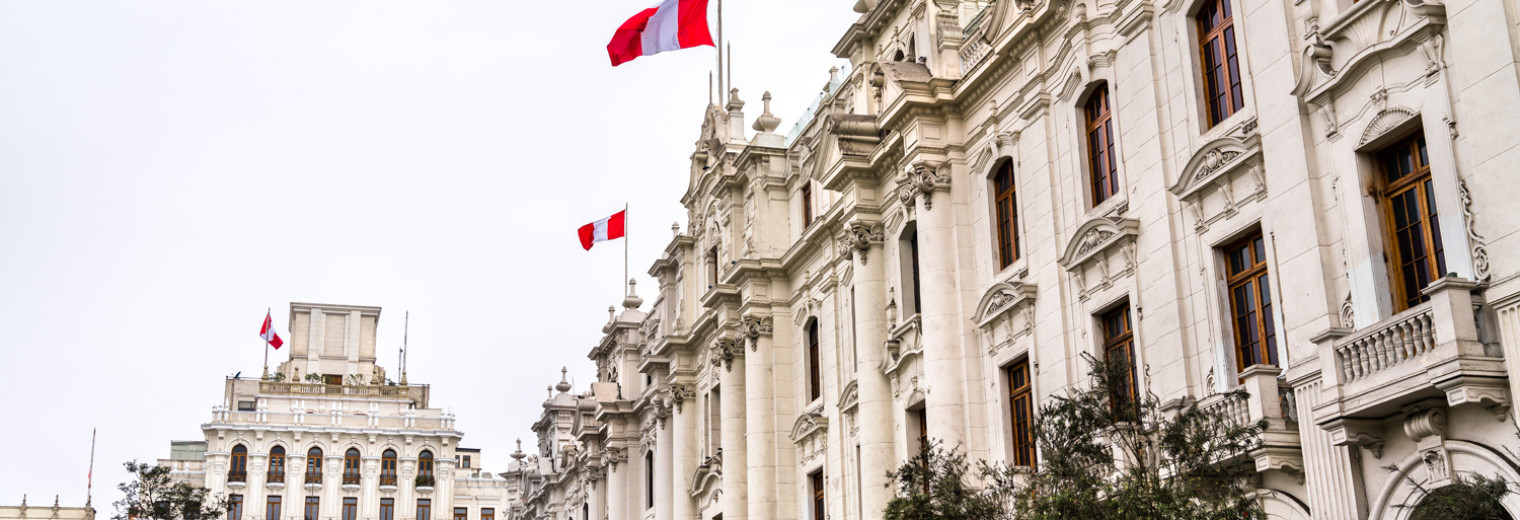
[
  {"x": 673, "y": 25},
  {"x": 267, "y": 332},
  {"x": 602, "y": 230}
]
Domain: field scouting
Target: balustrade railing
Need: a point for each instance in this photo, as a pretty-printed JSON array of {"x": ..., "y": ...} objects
[
  {"x": 237, "y": 476},
  {"x": 1228, "y": 407},
  {"x": 1378, "y": 349},
  {"x": 276, "y": 477}
]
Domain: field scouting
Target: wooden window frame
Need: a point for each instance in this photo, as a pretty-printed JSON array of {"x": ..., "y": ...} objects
[
  {"x": 1119, "y": 339},
  {"x": 350, "y": 510},
  {"x": 1102, "y": 160},
  {"x": 817, "y": 486},
  {"x": 387, "y": 509},
  {"x": 487, "y": 513},
  {"x": 237, "y": 466},
  {"x": 918, "y": 300},
  {"x": 649, "y": 480},
  {"x": 272, "y": 507},
  {"x": 424, "y": 509},
  {"x": 352, "y": 466},
  {"x": 815, "y": 362},
  {"x": 1021, "y": 409},
  {"x": 388, "y": 467},
  {"x": 425, "y": 463},
  {"x": 313, "y": 509},
  {"x": 1251, "y": 277},
  {"x": 1419, "y": 183},
  {"x": 276, "y": 465},
  {"x": 234, "y": 507},
  {"x": 1221, "y": 37},
  {"x": 807, "y": 204},
  {"x": 461, "y": 513},
  {"x": 314, "y": 466},
  {"x": 1006, "y": 214}
]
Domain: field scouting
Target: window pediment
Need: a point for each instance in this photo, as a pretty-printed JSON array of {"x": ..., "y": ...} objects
[
  {"x": 807, "y": 425},
  {"x": 1003, "y": 298},
  {"x": 1097, "y": 237},
  {"x": 1219, "y": 159}
]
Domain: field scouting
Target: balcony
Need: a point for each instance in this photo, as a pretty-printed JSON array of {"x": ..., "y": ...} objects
[
  {"x": 1429, "y": 351},
  {"x": 1268, "y": 399},
  {"x": 418, "y": 393}
]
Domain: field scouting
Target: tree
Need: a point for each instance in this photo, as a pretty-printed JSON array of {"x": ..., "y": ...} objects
[
  {"x": 156, "y": 496},
  {"x": 1105, "y": 455}
]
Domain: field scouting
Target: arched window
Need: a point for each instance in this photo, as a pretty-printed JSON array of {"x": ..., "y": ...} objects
[
  {"x": 388, "y": 468},
  {"x": 351, "y": 466},
  {"x": 1007, "y": 215},
  {"x": 1102, "y": 164},
  {"x": 237, "y": 470},
  {"x": 425, "y": 468},
  {"x": 815, "y": 379},
  {"x": 314, "y": 465},
  {"x": 1221, "y": 70},
  {"x": 277, "y": 464}
]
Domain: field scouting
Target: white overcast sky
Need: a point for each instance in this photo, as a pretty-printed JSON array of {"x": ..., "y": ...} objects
[{"x": 170, "y": 168}]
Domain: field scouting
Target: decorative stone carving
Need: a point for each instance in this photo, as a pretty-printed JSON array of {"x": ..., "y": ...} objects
[
  {"x": 756, "y": 327},
  {"x": 723, "y": 353},
  {"x": 613, "y": 455},
  {"x": 1388, "y": 120},
  {"x": 1478, "y": 244},
  {"x": 859, "y": 237},
  {"x": 924, "y": 179},
  {"x": 680, "y": 392}
]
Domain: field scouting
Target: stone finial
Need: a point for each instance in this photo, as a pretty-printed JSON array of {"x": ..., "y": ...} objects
[
  {"x": 675, "y": 229},
  {"x": 611, "y": 314},
  {"x": 767, "y": 122},
  {"x": 519, "y": 455},
  {"x": 633, "y": 301},
  {"x": 564, "y": 380},
  {"x": 734, "y": 103}
]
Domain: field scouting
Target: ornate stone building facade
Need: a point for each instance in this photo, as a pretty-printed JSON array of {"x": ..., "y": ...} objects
[
  {"x": 331, "y": 438},
  {"x": 1311, "y": 199}
]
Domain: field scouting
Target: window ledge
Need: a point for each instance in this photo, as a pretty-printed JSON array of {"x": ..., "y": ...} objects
[
  {"x": 388, "y": 489},
  {"x": 275, "y": 485},
  {"x": 313, "y": 487}
]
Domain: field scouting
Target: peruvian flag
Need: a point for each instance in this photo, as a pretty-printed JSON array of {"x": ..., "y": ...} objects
[
  {"x": 602, "y": 230},
  {"x": 671, "y": 26},
  {"x": 267, "y": 332}
]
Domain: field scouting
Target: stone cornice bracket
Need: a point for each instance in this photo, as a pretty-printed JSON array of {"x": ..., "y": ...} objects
[
  {"x": 680, "y": 392},
  {"x": 859, "y": 236},
  {"x": 724, "y": 351},
  {"x": 754, "y": 328},
  {"x": 923, "y": 178}
]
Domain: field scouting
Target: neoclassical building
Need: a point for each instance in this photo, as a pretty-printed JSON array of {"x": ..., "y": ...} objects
[
  {"x": 330, "y": 437},
  {"x": 1309, "y": 199}
]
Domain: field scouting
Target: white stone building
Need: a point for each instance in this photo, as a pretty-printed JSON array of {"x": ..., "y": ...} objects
[
  {"x": 329, "y": 437},
  {"x": 1312, "y": 199},
  {"x": 53, "y": 512}
]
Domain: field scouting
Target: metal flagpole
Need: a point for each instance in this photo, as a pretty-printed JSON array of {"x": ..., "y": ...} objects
[
  {"x": 625, "y": 249},
  {"x": 89, "y": 487},
  {"x": 270, "y": 319},
  {"x": 406, "y": 330},
  {"x": 721, "y": 91}
]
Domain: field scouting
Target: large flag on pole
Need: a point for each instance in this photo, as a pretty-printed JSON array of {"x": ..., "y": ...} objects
[
  {"x": 603, "y": 230},
  {"x": 267, "y": 333},
  {"x": 672, "y": 25}
]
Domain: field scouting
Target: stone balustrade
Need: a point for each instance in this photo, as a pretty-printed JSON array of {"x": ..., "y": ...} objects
[{"x": 1407, "y": 336}]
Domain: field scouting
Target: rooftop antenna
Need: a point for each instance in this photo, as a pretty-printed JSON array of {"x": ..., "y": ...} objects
[{"x": 406, "y": 329}]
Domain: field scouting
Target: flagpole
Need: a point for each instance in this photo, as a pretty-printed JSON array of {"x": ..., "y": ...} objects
[
  {"x": 721, "y": 91},
  {"x": 89, "y": 487},
  {"x": 625, "y": 245},
  {"x": 270, "y": 317}
]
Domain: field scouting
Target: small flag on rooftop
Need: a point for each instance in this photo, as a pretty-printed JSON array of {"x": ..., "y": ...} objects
[{"x": 672, "y": 25}]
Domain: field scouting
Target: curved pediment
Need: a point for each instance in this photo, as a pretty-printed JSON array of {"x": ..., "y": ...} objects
[
  {"x": 1386, "y": 121},
  {"x": 1096, "y": 236},
  {"x": 809, "y": 424},
  {"x": 850, "y": 396},
  {"x": 1216, "y": 159},
  {"x": 1003, "y": 297}
]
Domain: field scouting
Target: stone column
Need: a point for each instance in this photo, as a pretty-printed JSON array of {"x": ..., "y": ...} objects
[
  {"x": 369, "y": 490},
  {"x": 939, "y": 326},
  {"x": 735, "y": 501},
  {"x": 617, "y": 485},
  {"x": 683, "y": 449},
  {"x": 873, "y": 412},
  {"x": 759, "y": 417},
  {"x": 664, "y": 458}
]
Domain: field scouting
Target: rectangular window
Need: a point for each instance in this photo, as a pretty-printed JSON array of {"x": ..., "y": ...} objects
[
  {"x": 246, "y": 406},
  {"x": 387, "y": 509},
  {"x": 1119, "y": 350},
  {"x": 913, "y": 250},
  {"x": 815, "y": 481},
  {"x": 424, "y": 509},
  {"x": 350, "y": 508},
  {"x": 712, "y": 266},
  {"x": 1007, "y": 215},
  {"x": 649, "y": 480},
  {"x": 807, "y": 204},
  {"x": 1416, "y": 255},
  {"x": 922, "y": 415},
  {"x": 313, "y": 508},
  {"x": 1251, "y": 302},
  {"x": 1221, "y": 69},
  {"x": 272, "y": 508},
  {"x": 461, "y": 513},
  {"x": 487, "y": 513},
  {"x": 234, "y": 507},
  {"x": 1022, "y": 401},
  {"x": 1102, "y": 164},
  {"x": 815, "y": 379},
  {"x": 464, "y": 462}
]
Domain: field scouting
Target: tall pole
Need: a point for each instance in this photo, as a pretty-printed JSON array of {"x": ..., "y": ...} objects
[
  {"x": 267, "y": 317},
  {"x": 721, "y": 91},
  {"x": 89, "y": 487},
  {"x": 406, "y": 330},
  {"x": 625, "y": 248}
]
